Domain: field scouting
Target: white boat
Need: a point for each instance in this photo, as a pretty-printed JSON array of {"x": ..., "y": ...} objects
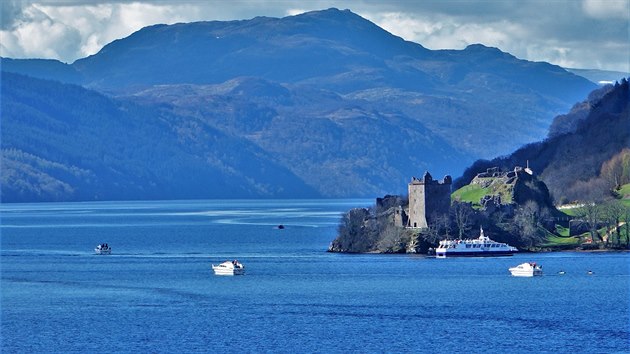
[
  {"x": 479, "y": 247},
  {"x": 229, "y": 268},
  {"x": 103, "y": 249},
  {"x": 529, "y": 269}
]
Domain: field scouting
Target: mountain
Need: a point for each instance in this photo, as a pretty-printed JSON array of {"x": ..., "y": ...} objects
[
  {"x": 570, "y": 160},
  {"x": 49, "y": 69},
  {"x": 61, "y": 142},
  {"x": 327, "y": 96}
]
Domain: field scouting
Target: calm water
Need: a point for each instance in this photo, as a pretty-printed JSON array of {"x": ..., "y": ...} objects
[{"x": 157, "y": 293}]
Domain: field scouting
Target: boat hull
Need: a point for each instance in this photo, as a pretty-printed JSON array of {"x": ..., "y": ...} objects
[
  {"x": 229, "y": 272},
  {"x": 218, "y": 270},
  {"x": 439, "y": 254},
  {"x": 103, "y": 252},
  {"x": 525, "y": 273}
]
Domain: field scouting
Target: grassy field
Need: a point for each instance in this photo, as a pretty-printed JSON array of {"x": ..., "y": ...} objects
[
  {"x": 625, "y": 190},
  {"x": 471, "y": 193},
  {"x": 553, "y": 240}
]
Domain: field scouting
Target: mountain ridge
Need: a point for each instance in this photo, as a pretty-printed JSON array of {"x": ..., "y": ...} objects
[{"x": 327, "y": 96}]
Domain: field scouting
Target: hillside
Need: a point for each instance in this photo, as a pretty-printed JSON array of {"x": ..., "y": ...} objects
[
  {"x": 326, "y": 96},
  {"x": 65, "y": 143},
  {"x": 570, "y": 162}
]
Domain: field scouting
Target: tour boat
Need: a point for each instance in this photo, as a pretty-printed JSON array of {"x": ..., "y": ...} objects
[
  {"x": 229, "y": 268},
  {"x": 103, "y": 249},
  {"x": 479, "y": 247},
  {"x": 529, "y": 269}
]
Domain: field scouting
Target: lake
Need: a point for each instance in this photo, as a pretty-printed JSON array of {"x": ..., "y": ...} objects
[{"x": 157, "y": 292}]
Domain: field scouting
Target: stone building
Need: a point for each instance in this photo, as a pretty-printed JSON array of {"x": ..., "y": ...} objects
[{"x": 428, "y": 198}]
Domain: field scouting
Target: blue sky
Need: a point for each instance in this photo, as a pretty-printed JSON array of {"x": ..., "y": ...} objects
[{"x": 592, "y": 34}]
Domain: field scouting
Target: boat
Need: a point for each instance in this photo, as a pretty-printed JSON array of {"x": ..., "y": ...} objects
[
  {"x": 229, "y": 268},
  {"x": 479, "y": 247},
  {"x": 528, "y": 269},
  {"x": 103, "y": 249}
]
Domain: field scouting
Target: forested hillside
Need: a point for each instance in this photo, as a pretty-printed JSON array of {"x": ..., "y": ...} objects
[
  {"x": 572, "y": 159},
  {"x": 62, "y": 142}
]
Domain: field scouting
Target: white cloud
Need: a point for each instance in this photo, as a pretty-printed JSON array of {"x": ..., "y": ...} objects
[
  {"x": 293, "y": 12},
  {"x": 38, "y": 35},
  {"x": 607, "y": 9},
  {"x": 443, "y": 32},
  {"x": 522, "y": 39},
  {"x": 70, "y": 32}
]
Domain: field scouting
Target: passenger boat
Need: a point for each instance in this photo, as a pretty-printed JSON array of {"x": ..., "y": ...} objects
[
  {"x": 529, "y": 269},
  {"x": 479, "y": 247},
  {"x": 103, "y": 249},
  {"x": 229, "y": 268}
]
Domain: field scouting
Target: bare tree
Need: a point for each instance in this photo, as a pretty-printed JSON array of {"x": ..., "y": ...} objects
[
  {"x": 616, "y": 171},
  {"x": 613, "y": 212},
  {"x": 529, "y": 221},
  {"x": 462, "y": 215},
  {"x": 590, "y": 214},
  {"x": 391, "y": 240},
  {"x": 626, "y": 219}
]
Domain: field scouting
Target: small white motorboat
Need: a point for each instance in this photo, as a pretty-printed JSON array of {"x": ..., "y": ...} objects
[
  {"x": 229, "y": 268},
  {"x": 528, "y": 269},
  {"x": 103, "y": 249}
]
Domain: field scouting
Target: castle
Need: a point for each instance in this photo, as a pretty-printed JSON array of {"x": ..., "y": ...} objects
[{"x": 428, "y": 198}]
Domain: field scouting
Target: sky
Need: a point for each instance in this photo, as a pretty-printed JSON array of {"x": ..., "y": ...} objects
[{"x": 587, "y": 34}]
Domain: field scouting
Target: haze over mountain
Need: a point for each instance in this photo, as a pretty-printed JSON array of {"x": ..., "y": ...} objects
[{"x": 326, "y": 99}]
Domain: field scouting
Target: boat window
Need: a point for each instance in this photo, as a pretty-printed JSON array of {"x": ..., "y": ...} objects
[{"x": 467, "y": 246}]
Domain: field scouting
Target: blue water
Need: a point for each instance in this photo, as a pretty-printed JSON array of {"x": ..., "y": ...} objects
[{"x": 157, "y": 293}]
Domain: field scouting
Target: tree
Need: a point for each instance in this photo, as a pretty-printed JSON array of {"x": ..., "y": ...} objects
[
  {"x": 462, "y": 214},
  {"x": 352, "y": 235},
  {"x": 392, "y": 240},
  {"x": 626, "y": 218},
  {"x": 613, "y": 212},
  {"x": 590, "y": 214},
  {"x": 616, "y": 171},
  {"x": 529, "y": 220}
]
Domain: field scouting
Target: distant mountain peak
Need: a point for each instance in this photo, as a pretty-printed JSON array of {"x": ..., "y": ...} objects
[{"x": 481, "y": 47}]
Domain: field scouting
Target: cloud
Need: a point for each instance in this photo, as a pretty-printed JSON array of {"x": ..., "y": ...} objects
[
  {"x": 9, "y": 11},
  {"x": 293, "y": 12},
  {"x": 557, "y": 32},
  {"x": 39, "y": 35},
  {"x": 443, "y": 32},
  {"x": 607, "y": 9},
  {"x": 71, "y": 32}
]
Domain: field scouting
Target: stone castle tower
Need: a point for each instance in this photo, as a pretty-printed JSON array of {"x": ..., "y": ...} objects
[{"x": 427, "y": 199}]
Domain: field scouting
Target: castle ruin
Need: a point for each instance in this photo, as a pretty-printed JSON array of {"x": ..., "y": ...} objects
[{"x": 428, "y": 198}]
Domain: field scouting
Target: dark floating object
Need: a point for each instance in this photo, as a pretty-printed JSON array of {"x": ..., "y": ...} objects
[{"x": 280, "y": 227}]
